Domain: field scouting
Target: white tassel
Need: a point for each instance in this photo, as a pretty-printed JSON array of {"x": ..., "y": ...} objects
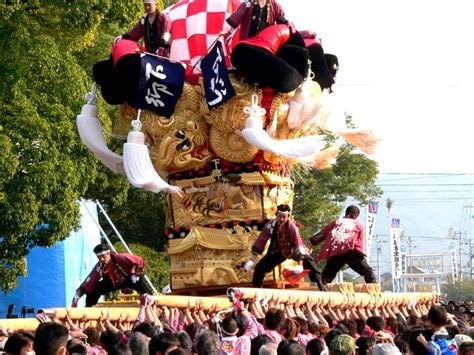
[
  {"x": 272, "y": 128},
  {"x": 364, "y": 139},
  {"x": 255, "y": 135},
  {"x": 323, "y": 159},
  {"x": 296, "y": 106},
  {"x": 334, "y": 121},
  {"x": 90, "y": 131},
  {"x": 139, "y": 168},
  {"x": 316, "y": 110}
]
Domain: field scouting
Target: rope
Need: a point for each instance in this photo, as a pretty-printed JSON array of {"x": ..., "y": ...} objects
[{"x": 254, "y": 109}]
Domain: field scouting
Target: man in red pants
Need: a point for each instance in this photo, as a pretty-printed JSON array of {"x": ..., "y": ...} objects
[{"x": 114, "y": 271}]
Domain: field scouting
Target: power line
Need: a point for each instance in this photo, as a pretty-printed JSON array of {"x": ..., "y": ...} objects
[
  {"x": 419, "y": 176},
  {"x": 442, "y": 184},
  {"x": 449, "y": 174},
  {"x": 438, "y": 198},
  {"x": 463, "y": 191},
  {"x": 420, "y": 237}
]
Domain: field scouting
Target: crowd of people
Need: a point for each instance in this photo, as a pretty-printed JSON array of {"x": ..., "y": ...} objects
[{"x": 256, "y": 326}]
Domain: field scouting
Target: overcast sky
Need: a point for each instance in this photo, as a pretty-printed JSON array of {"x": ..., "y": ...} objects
[{"x": 406, "y": 71}]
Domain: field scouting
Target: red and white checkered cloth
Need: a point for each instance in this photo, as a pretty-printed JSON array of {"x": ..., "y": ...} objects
[{"x": 195, "y": 25}]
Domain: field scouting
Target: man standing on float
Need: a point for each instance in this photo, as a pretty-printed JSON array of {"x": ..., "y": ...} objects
[
  {"x": 255, "y": 15},
  {"x": 285, "y": 243},
  {"x": 154, "y": 28},
  {"x": 343, "y": 244},
  {"x": 114, "y": 271}
]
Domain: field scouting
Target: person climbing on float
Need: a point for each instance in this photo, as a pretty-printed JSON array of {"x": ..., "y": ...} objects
[
  {"x": 114, "y": 271},
  {"x": 343, "y": 244},
  {"x": 285, "y": 243},
  {"x": 154, "y": 28}
]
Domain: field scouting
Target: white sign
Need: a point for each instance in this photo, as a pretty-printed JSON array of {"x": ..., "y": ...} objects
[{"x": 395, "y": 250}]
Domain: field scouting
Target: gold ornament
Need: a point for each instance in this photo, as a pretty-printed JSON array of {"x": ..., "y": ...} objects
[{"x": 231, "y": 146}]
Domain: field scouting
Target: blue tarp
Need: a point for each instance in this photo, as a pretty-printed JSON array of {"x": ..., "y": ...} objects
[{"x": 54, "y": 273}]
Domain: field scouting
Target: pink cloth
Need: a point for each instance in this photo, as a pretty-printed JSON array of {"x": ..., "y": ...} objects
[
  {"x": 304, "y": 339},
  {"x": 96, "y": 350},
  {"x": 274, "y": 335},
  {"x": 175, "y": 323},
  {"x": 240, "y": 345},
  {"x": 235, "y": 345},
  {"x": 310, "y": 38},
  {"x": 341, "y": 236}
]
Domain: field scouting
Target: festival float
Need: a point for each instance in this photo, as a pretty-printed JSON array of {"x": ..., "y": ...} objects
[{"x": 219, "y": 127}]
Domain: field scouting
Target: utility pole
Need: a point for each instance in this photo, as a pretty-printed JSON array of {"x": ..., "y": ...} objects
[
  {"x": 471, "y": 259},
  {"x": 410, "y": 244},
  {"x": 459, "y": 234},
  {"x": 379, "y": 251}
]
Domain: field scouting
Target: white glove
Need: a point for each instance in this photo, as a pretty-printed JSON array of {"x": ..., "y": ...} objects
[
  {"x": 298, "y": 269},
  {"x": 75, "y": 300},
  {"x": 248, "y": 265},
  {"x": 134, "y": 278},
  {"x": 118, "y": 38}
]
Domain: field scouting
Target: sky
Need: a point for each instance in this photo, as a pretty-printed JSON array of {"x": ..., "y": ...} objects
[{"x": 406, "y": 71}]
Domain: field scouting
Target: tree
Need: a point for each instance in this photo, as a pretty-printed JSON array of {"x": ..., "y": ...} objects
[
  {"x": 44, "y": 167},
  {"x": 458, "y": 291},
  {"x": 319, "y": 194},
  {"x": 141, "y": 219}
]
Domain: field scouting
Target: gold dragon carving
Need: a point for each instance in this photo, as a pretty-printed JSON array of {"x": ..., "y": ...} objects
[{"x": 188, "y": 140}]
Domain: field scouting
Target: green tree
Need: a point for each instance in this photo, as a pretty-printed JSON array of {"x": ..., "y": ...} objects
[
  {"x": 47, "y": 51},
  {"x": 156, "y": 263},
  {"x": 141, "y": 219},
  {"x": 319, "y": 194},
  {"x": 458, "y": 291}
]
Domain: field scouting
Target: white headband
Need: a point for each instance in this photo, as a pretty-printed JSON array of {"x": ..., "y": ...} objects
[{"x": 102, "y": 252}]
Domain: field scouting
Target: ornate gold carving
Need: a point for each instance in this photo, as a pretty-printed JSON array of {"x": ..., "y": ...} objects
[
  {"x": 184, "y": 146},
  {"x": 231, "y": 116},
  {"x": 211, "y": 257},
  {"x": 231, "y": 146},
  {"x": 226, "y": 119},
  {"x": 236, "y": 197}
]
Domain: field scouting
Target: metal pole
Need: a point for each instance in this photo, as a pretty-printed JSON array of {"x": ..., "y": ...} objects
[
  {"x": 470, "y": 259},
  {"x": 99, "y": 226},
  {"x": 460, "y": 256},
  {"x": 378, "y": 258},
  {"x": 113, "y": 227},
  {"x": 147, "y": 280}
]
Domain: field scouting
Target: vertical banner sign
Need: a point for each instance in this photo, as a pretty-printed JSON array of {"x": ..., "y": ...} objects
[
  {"x": 396, "y": 254},
  {"x": 371, "y": 213},
  {"x": 217, "y": 86},
  {"x": 454, "y": 264},
  {"x": 160, "y": 86},
  {"x": 404, "y": 268}
]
